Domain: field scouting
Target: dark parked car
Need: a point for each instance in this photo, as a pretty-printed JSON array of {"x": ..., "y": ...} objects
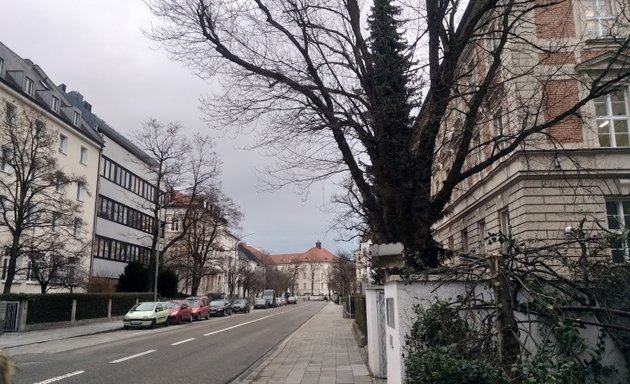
[
  {"x": 199, "y": 306},
  {"x": 240, "y": 305},
  {"x": 260, "y": 303},
  {"x": 220, "y": 308}
]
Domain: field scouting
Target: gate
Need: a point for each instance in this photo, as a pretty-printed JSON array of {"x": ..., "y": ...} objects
[
  {"x": 9, "y": 316},
  {"x": 380, "y": 307}
]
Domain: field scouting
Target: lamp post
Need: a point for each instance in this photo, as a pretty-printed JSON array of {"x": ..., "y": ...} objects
[{"x": 160, "y": 243}]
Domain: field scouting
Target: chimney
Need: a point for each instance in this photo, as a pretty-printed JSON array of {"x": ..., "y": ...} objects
[
  {"x": 62, "y": 86},
  {"x": 318, "y": 245},
  {"x": 87, "y": 106}
]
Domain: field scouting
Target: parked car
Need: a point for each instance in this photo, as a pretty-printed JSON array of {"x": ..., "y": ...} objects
[
  {"x": 146, "y": 314},
  {"x": 199, "y": 306},
  {"x": 178, "y": 311},
  {"x": 292, "y": 300},
  {"x": 240, "y": 305},
  {"x": 270, "y": 296},
  {"x": 260, "y": 303},
  {"x": 220, "y": 308}
]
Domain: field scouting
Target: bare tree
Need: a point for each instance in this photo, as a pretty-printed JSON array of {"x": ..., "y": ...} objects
[
  {"x": 295, "y": 269},
  {"x": 381, "y": 109},
  {"x": 59, "y": 264},
  {"x": 189, "y": 167},
  {"x": 37, "y": 213},
  {"x": 343, "y": 277},
  {"x": 200, "y": 251}
]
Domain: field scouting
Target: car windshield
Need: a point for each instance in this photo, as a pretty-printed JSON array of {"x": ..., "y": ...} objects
[
  {"x": 217, "y": 303},
  {"x": 193, "y": 303},
  {"x": 239, "y": 302},
  {"x": 260, "y": 300},
  {"x": 173, "y": 305},
  {"x": 144, "y": 307}
]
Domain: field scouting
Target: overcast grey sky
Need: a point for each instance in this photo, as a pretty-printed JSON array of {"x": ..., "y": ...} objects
[{"x": 97, "y": 47}]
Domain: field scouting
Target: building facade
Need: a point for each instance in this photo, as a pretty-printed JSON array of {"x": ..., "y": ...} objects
[
  {"x": 125, "y": 200},
  {"x": 580, "y": 168},
  {"x": 28, "y": 96},
  {"x": 309, "y": 271}
]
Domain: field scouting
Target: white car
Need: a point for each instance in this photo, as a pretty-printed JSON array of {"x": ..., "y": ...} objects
[{"x": 146, "y": 314}]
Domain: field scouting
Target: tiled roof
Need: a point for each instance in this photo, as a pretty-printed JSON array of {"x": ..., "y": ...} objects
[{"x": 313, "y": 255}]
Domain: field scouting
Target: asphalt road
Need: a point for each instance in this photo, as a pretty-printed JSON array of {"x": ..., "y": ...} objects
[{"x": 208, "y": 351}]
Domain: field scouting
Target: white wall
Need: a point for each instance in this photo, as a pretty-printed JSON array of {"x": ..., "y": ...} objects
[
  {"x": 405, "y": 296},
  {"x": 376, "y": 362}
]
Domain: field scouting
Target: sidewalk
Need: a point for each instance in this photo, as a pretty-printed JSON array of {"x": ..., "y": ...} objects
[
  {"x": 18, "y": 339},
  {"x": 322, "y": 351}
]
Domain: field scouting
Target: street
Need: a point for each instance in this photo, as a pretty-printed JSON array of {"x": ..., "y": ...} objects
[{"x": 208, "y": 351}]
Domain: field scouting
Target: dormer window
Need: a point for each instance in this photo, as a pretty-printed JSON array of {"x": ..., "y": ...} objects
[
  {"x": 28, "y": 85},
  {"x": 76, "y": 118},
  {"x": 54, "y": 103},
  {"x": 1, "y": 66}
]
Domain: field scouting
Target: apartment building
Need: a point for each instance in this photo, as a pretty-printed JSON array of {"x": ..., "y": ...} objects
[
  {"x": 579, "y": 168},
  {"x": 33, "y": 105},
  {"x": 124, "y": 199}
]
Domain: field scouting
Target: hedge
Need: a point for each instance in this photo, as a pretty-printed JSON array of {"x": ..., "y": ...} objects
[{"x": 53, "y": 307}]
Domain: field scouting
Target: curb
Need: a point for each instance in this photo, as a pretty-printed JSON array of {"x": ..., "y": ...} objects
[{"x": 63, "y": 338}]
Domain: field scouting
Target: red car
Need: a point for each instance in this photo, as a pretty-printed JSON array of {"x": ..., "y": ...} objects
[
  {"x": 199, "y": 305},
  {"x": 178, "y": 311}
]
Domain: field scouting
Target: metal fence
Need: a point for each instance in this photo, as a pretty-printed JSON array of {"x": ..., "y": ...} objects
[{"x": 9, "y": 316}]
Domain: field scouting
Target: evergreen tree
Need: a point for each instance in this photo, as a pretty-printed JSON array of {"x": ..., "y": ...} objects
[
  {"x": 167, "y": 283},
  {"x": 133, "y": 279}
]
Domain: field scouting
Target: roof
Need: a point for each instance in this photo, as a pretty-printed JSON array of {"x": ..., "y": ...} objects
[
  {"x": 77, "y": 100},
  {"x": 253, "y": 254},
  {"x": 15, "y": 68},
  {"x": 313, "y": 255}
]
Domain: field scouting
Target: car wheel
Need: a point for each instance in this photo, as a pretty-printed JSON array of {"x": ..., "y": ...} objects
[
  {"x": 152, "y": 324},
  {"x": 190, "y": 319},
  {"x": 166, "y": 322},
  {"x": 125, "y": 327},
  {"x": 179, "y": 320}
]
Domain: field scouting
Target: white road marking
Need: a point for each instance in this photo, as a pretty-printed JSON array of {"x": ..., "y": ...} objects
[
  {"x": 184, "y": 341},
  {"x": 239, "y": 325},
  {"x": 132, "y": 356},
  {"x": 52, "y": 380}
]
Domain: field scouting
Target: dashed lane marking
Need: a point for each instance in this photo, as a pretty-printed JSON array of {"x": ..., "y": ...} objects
[
  {"x": 53, "y": 379},
  {"x": 132, "y": 356},
  {"x": 183, "y": 341},
  {"x": 239, "y": 325}
]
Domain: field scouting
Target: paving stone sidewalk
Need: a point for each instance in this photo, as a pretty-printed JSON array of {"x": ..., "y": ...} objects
[
  {"x": 322, "y": 351},
  {"x": 18, "y": 339}
]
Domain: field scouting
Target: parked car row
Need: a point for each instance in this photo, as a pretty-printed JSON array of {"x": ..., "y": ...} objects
[{"x": 151, "y": 314}]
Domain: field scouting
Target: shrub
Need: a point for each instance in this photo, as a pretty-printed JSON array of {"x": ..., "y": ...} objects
[{"x": 167, "y": 283}]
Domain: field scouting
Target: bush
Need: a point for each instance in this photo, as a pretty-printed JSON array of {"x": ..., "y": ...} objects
[
  {"x": 443, "y": 366},
  {"x": 167, "y": 283},
  {"x": 135, "y": 278}
]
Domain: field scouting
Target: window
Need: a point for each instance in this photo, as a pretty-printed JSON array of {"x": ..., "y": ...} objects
[
  {"x": 40, "y": 129},
  {"x": 612, "y": 119},
  {"x": 304, "y": 285},
  {"x": 56, "y": 221},
  {"x": 28, "y": 85},
  {"x": 497, "y": 127},
  {"x": 63, "y": 143},
  {"x": 54, "y": 103},
  {"x": 60, "y": 182},
  {"x": 84, "y": 155},
  {"x": 464, "y": 238},
  {"x": 81, "y": 192},
  {"x": 504, "y": 217},
  {"x": 618, "y": 213},
  {"x": 481, "y": 225},
  {"x": 10, "y": 115},
  {"x": 1, "y": 66},
  {"x": 76, "y": 118},
  {"x": 76, "y": 228},
  {"x": 599, "y": 18},
  {"x": 6, "y": 157},
  {"x": 174, "y": 224}
]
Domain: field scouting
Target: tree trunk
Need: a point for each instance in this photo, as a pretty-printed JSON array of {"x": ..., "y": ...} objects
[
  {"x": 509, "y": 346},
  {"x": 13, "y": 256}
]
